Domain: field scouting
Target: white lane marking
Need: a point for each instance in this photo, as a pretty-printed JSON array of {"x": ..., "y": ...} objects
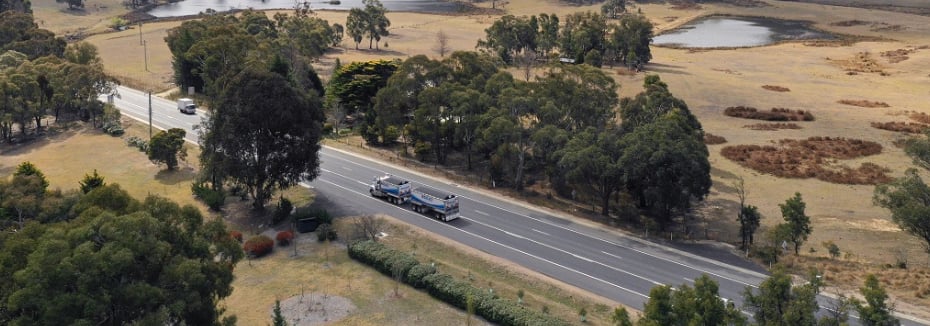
[
  {"x": 482, "y": 213},
  {"x": 575, "y": 255},
  {"x": 328, "y": 171},
  {"x": 688, "y": 279},
  {"x": 346, "y": 168},
  {"x": 611, "y": 255},
  {"x": 544, "y": 233},
  {"x": 500, "y": 244},
  {"x": 731, "y": 267}
]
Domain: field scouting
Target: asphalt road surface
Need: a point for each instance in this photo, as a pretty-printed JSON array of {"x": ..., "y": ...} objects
[{"x": 615, "y": 266}]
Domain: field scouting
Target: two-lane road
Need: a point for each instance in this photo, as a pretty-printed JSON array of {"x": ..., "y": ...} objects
[{"x": 610, "y": 264}]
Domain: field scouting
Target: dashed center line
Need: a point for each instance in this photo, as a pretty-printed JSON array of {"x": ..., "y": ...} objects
[
  {"x": 541, "y": 232},
  {"x": 482, "y": 213}
]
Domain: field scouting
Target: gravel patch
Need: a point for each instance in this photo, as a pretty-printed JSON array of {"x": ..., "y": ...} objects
[{"x": 314, "y": 309}]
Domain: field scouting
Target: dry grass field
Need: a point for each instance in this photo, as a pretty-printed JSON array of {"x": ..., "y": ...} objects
[{"x": 888, "y": 63}]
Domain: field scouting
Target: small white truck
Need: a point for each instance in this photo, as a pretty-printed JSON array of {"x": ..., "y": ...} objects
[
  {"x": 396, "y": 190},
  {"x": 442, "y": 205},
  {"x": 186, "y": 105}
]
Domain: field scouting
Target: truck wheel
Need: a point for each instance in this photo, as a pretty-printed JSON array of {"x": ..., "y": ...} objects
[
  {"x": 442, "y": 217},
  {"x": 416, "y": 208}
]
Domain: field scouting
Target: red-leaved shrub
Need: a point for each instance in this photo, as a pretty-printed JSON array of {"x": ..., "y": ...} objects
[
  {"x": 284, "y": 238},
  {"x": 258, "y": 246},
  {"x": 236, "y": 235}
]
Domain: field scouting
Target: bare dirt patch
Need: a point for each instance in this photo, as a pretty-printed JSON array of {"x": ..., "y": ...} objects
[
  {"x": 864, "y": 103},
  {"x": 775, "y": 88},
  {"x": 812, "y": 158},
  {"x": 776, "y": 114},
  {"x": 772, "y": 126},
  {"x": 314, "y": 308},
  {"x": 711, "y": 139},
  {"x": 900, "y": 126}
]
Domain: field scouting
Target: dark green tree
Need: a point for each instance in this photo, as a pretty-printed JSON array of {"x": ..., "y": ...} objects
[
  {"x": 562, "y": 86},
  {"x": 778, "y": 303},
  {"x": 628, "y": 41},
  {"x": 582, "y": 33},
  {"x": 355, "y": 85},
  {"x": 510, "y": 36},
  {"x": 157, "y": 264},
  {"x": 875, "y": 311},
  {"x": 277, "y": 318},
  {"x": 658, "y": 310},
  {"x": 918, "y": 148},
  {"x": 748, "y": 215},
  {"x": 377, "y": 23},
  {"x": 686, "y": 305},
  {"x": 91, "y": 182},
  {"x": 21, "y": 198},
  {"x": 167, "y": 147},
  {"x": 264, "y": 153},
  {"x": 665, "y": 166},
  {"x": 908, "y": 199},
  {"x": 613, "y": 8},
  {"x": 357, "y": 25},
  {"x": 28, "y": 169},
  {"x": 797, "y": 222},
  {"x": 590, "y": 163},
  {"x": 620, "y": 317}
]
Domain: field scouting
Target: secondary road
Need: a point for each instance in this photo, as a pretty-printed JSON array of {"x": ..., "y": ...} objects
[{"x": 616, "y": 266}]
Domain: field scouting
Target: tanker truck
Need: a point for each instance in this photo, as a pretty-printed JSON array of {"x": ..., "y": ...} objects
[
  {"x": 395, "y": 189},
  {"x": 442, "y": 205}
]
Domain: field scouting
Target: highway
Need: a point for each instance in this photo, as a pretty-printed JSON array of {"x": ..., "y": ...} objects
[{"x": 607, "y": 263}]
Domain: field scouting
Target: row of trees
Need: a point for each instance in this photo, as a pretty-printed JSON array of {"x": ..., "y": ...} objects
[
  {"x": 776, "y": 302},
  {"x": 99, "y": 257},
  {"x": 40, "y": 75},
  {"x": 264, "y": 129},
  {"x": 520, "y": 131},
  {"x": 584, "y": 37},
  {"x": 371, "y": 22},
  {"x": 208, "y": 52}
]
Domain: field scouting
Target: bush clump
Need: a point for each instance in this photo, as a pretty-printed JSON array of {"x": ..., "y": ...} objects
[
  {"x": 711, "y": 139},
  {"x": 907, "y": 127},
  {"x": 326, "y": 232},
  {"x": 319, "y": 214},
  {"x": 776, "y": 114},
  {"x": 284, "y": 238},
  {"x": 258, "y": 246},
  {"x": 282, "y": 211},
  {"x": 213, "y": 198},
  {"x": 236, "y": 235},
  {"x": 444, "y": 287}
]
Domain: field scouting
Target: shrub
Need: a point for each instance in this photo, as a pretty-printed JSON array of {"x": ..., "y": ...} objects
[
  {"x": 282, "y": 211},
  {"x": 236, "y": 235},
  {"x": 258, "y": 246},
  {"x": 137, "y": 142},
  {"x": 326, "y": 232},
  {"x": 327, "y": 128},
  {"x": 284, "y": 238},
  {"x": 768, "y": 254},
  {"x": 213, "y": 198},
  {"x": 710, "y": 139},
  {"x": 443, "y": 287}
]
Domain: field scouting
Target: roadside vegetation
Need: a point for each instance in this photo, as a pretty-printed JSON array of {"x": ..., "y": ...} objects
[{"x": 501, "y": 115}]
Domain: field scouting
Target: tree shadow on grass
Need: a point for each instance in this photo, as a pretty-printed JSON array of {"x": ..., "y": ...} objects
[{"x": 174, "y": 177}]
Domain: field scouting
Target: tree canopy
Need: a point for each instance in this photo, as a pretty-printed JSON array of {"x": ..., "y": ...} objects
[
  {"x": 167, "y": 147},
  {"x": 908, "y": 199},
  {"x": 797, "y": 223},
  {"x": 265, "y": 138},
  {"x": 116, "y": 261}
]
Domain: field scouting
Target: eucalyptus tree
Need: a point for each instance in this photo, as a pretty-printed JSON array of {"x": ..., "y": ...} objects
[{"x": 262, "y": 153}]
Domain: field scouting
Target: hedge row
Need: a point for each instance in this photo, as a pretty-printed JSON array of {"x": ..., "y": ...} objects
[{"x": 443, "y": 287}]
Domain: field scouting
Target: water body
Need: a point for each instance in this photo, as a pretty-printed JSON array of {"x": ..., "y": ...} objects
[
  {"x": 718, "y": 31},
  {"x": 193, "y": 7}
]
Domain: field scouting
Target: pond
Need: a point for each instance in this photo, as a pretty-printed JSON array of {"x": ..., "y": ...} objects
[
  {"x": 725, "y": 32},
  {"x": 193, "y": 7}
]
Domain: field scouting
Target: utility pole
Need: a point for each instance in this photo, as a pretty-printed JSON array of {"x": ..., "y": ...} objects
[
  {"x": 150, "y": 115},
  {"x": 140, "y": 33},
  {"x": 145, "y": 53}
]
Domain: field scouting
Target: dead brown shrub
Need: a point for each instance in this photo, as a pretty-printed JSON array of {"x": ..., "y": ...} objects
[
  {"x": 898, "y": 55},
  {"x": 776, "y": 114},
  {"x": 711, "y": 139},
  {"x": 900, "y": 126},
  {"x": 864, "y": 103},
  {"x": 776, "y": 88},
  {"x": 920, "y": 117},
  {"x": 773, "y": 126},
  {"x": 810, "y": 158}
]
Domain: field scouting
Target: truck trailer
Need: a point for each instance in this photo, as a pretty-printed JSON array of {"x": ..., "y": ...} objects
[
  {"x": 395, "y": 189},
  {"x": 442, "y": 205}
]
